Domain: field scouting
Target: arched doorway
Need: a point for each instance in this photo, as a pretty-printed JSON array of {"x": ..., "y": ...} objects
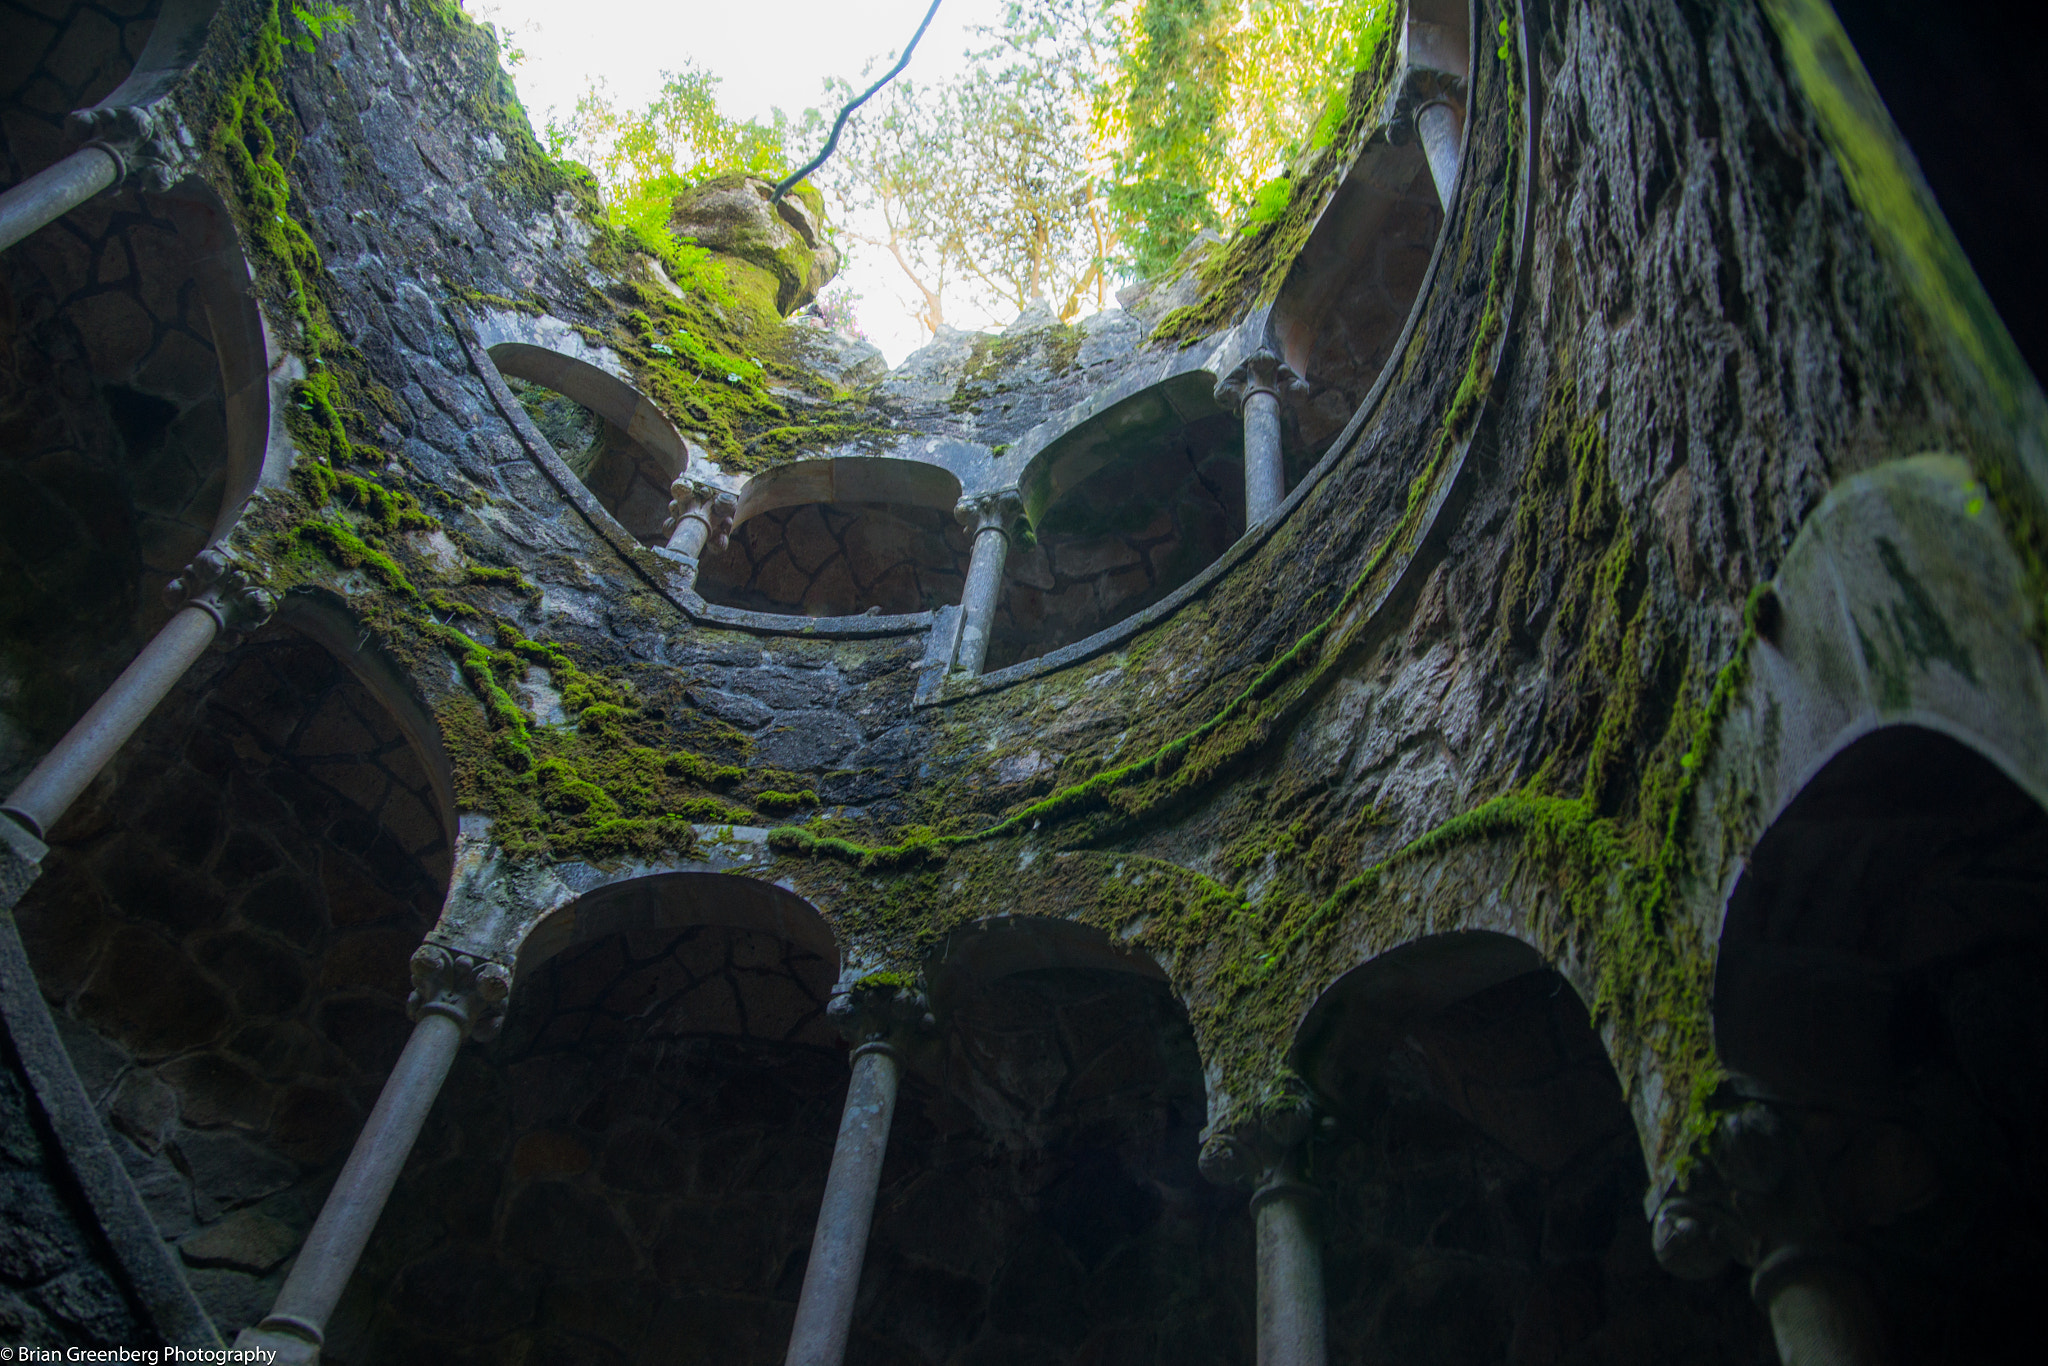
[
  {"x": 1482, "y": 1177},
  {"x": 631, "y": 1170},
  {"x": 1882, "y": 989}
]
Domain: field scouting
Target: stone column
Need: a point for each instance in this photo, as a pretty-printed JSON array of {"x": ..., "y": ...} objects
[
  {"x": 1440, "y": 125},
  {"x": 216, "y": 597},
  {"x": 1266, "y": 1155},
  {"x": 699, "y": 514},
  {"x": 1435, "y": 74},
  {"x": 991, "y": 519},
  {"x": 454, "y": 997},
  {"x": 148, "y": 144},
  {"x": 1761, "y": 1203},
  {"x": 876, "y": 1021},
  {"x": 56, "y": 190},
  {"x": 1254, "y": 389}
]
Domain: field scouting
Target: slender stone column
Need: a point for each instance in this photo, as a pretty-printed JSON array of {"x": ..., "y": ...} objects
[
  {"x": 1761, "y": 1203},
  {"x": 454, "y": 997},
  {"x": 699, "y": 514},
  {"x": 991, "y": 519},
  {"x": 1821, "y": 1307},
  {"x": 877, "y": 1020},
  {"x": 56, "y": 190},
  {"x": 1254, "y": 389},
  {"x": 1265, "y": 1154},
  {"x": 216, "y": 597},
  {"x": 1440, "y": 125}
]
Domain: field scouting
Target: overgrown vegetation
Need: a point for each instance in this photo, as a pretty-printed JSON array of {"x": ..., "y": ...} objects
[
  {"x": 617, "y": 773},
  {"x": 1089, "y": 143}
]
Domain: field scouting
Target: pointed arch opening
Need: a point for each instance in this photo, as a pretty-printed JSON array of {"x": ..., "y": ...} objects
[
  {"x": 651, "y": 1131},
  {"x": 609, "y": 434},
  {"x": 1124, "y": 507},
  {"x": 1042, "y": 1201}
]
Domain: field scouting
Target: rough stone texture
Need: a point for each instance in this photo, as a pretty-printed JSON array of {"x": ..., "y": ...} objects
[
  {"x": 110, "y": 408},
  {"x": 839, "y": 560},
  {"x": 239, "y": 943},
  {"x": 1702, "y": 338},
  {"x": 55, "y": 1290},
  {"x": 732, "y": 215}
]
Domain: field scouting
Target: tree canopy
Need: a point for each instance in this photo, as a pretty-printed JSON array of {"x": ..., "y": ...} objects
[{"x": 1089, "y": 143}]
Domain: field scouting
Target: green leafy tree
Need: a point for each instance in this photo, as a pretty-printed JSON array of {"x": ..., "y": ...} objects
[
  {"x": 643, "y": 158},
  {"x": 991, "y": 183},
  {"x": 1166, "y": 118},
  {"x": 1211, "y": 102}
]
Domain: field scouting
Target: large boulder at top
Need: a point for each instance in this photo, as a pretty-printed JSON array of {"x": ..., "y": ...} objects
[{"x": 732, "y": 216}]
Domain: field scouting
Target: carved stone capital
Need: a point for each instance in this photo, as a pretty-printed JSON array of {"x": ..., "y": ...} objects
[
  {"x": 1768, "y": 1199},
  {"x": 1419, "y": 88},
  {"x": 228, "y": 590},
  {"x": 1000, "y": 510},
  {"x": 1263, "y": 1152},
  {"x": 879, "y": 1014},
  {"x": 1261, "y": 373},
  {"x": 149, "y": 142},
  {"x": 703, "y": 502},
  {"x": 470, "y": 991}
]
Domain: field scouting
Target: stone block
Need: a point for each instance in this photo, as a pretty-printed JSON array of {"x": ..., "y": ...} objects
[
  {"x": 214, "y": 1091},
  {"x": 245, "y": 1241},
  {"x": 563, "y": 1226},
  {"x": 232, "y": 1169},
  {"x": 146, "y": 994},
  {"x": 38, "y": 1237},
  {"x": 144, "y": 1108},
  {"x": 88, "y": 1300},
  {"x": 232, "y": 1299}
]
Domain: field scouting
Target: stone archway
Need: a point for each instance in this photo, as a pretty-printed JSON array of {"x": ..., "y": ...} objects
[
  {"x": 837, "y": 537},
  {"x": 1124, "y": 507},
  {"x": 608, "y": 434},
  {"x": 1880, "y": 997},
  {"x": 222, "y": 929},
  {"x": 632, "y": 1167},
  {"x": 1481, "y": 1173},
  {"x": 1042, "y": 1201}
]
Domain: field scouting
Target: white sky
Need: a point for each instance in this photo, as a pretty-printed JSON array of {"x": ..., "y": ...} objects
[{"x": 766, "y": 53}]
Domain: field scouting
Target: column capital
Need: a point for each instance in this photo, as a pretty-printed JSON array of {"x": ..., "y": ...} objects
[
  {"x": 1263, "y": 1151},
  {"x": 880, "y": 1014},
  {"x": 1417, "y": 89},
  {"x": 1763, "y": 1198},
  {"x": 148, "y": 142},
  {"x": 470, "y": 991},
  {"x": 703, "y": 501},
  {"x": 1262, "y": 372},
  {"x": 227, "y": 589},
  {"x": 998, "y": 510}
]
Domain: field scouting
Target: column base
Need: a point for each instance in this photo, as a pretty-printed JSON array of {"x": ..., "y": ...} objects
[{"x": 288, "y": 1341}]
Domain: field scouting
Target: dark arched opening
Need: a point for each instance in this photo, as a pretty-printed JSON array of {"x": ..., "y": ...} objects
[
  {"x": 222, "y": 929},
  {"x": 632, "y": 1169},
  {"x": 1123, "y": 509},
  {"x": 608, "y": 434},
  {"x": 840, "y": 537},
  {"x": 1482, "y": 1177},
  {"x": 1042, "y": 1201},
  {"x": 1883, "y": 979}
]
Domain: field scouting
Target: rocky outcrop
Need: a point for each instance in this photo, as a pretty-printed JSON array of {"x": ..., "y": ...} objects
[{"x": 783, "y": 240}]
